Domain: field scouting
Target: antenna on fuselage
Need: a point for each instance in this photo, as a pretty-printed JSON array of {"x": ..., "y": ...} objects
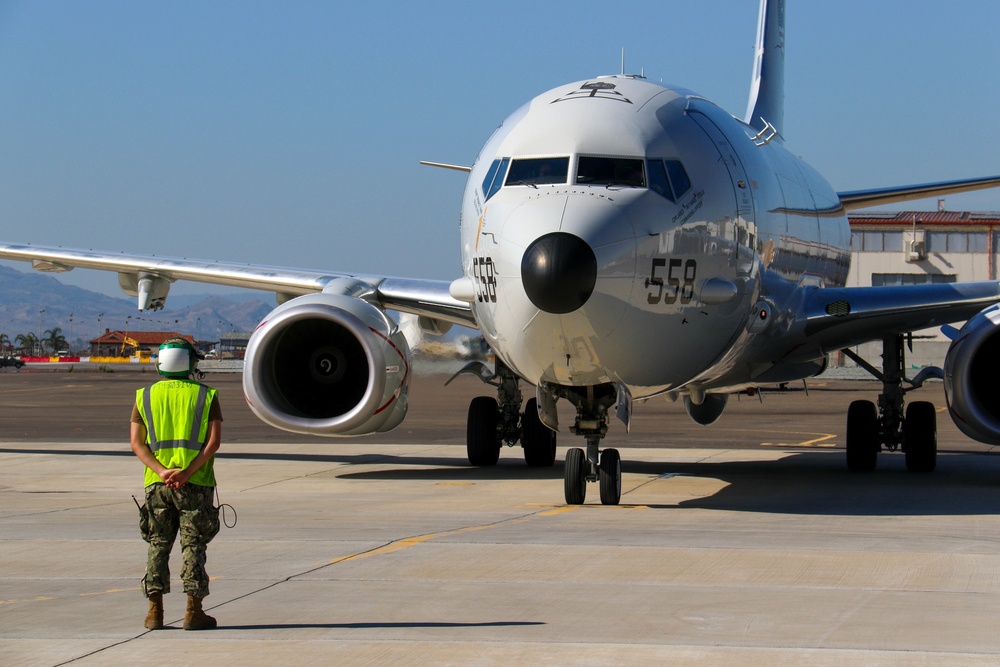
[{"x": 623, "y": 61}]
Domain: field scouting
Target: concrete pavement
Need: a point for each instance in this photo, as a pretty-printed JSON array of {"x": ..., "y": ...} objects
[{"x": 392, "y": 551}]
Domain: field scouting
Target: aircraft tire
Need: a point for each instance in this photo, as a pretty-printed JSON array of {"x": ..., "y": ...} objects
[
  {"x": 538, "y": 441},
  {"x": 920, "y": 437},
  {"x": 482, "y": 440},
  {"x": 575, "y": 477},
  {"x": 611, "y": 477},
  {"x": 862, "y": 436}
]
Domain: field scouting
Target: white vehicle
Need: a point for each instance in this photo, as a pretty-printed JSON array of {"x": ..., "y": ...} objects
[{"x": 620, "y": 240}]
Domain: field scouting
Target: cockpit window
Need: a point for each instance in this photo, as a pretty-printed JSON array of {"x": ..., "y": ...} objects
[
  {"x": 668, "y": 178},
  {"x": 538, "y": 171},
  {"x": 494, "y": 177},
  {"x": 627, "y": 172},
  {"x": 679, "y": 180}
]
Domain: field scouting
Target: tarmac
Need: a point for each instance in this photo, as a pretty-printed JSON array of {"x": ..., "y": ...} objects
[{"x": 747, "y": 542}]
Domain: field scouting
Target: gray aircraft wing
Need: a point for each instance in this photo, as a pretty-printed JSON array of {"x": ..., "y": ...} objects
[
  {"x": 835, "y": 318},
  {"x": 148, "y": 277},
  {"x": 864, "y": 198}
]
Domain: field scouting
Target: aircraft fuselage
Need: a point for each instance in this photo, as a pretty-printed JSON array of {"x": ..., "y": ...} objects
[{"x": 616, "y": 231}]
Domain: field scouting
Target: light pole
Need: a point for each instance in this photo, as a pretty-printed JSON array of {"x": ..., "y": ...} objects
[
  {"x": 40, "y": 312},
  {"x": 125, "y": 342}
]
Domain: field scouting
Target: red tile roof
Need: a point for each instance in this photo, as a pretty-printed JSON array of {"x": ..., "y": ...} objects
[
  {"x": 142, "y": 337},
  {"x": 905, "y": 218}
]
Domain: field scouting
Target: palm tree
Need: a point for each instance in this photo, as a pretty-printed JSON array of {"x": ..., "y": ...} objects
[
  {"x": 26, "y": 342},
  {"x": 4, "y": 342},
  {"x": 54, "y": 339}
]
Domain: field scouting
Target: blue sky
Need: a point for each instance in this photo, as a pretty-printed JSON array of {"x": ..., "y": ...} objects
[{"x": 290, "y": 133}]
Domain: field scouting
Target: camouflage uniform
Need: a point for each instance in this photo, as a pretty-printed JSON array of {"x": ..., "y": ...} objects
[{"x": 190, "y": 510}]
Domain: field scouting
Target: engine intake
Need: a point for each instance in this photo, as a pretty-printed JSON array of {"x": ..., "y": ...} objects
[
  {"x": 328, "y": 364},
  {"x": 970, "y": 377}
]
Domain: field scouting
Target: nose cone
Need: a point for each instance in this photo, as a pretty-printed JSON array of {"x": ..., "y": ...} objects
[{"x": 559, "y": 271}]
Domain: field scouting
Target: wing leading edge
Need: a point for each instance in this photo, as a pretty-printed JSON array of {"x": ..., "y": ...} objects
[
  {"x": 856, "y": 199},
  {"x": 834, "y": 318},
  {"x": 427, "y": 298}
]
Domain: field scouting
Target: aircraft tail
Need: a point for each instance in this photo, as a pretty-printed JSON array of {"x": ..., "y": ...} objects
[{"x": 767, "y": 88}]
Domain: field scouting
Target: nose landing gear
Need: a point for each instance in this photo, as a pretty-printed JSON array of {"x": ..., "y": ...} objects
[{"x": 592, "y": 405}]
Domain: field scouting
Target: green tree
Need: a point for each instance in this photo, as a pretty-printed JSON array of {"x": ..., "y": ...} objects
[
  {"x": 26, "y": 342},
  {"x": 4, "y": 342},
  {"x": 54, "y": 339}
]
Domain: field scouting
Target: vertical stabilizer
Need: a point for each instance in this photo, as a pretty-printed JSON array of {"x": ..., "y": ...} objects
[{"x": 767, "y": 89}]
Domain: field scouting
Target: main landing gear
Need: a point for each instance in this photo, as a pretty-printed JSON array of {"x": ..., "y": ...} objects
[
  {"x": 494, "y": 422},
  {"x": 870, "y": 429}
]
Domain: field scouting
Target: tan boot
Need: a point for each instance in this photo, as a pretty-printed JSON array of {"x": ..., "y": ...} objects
[
  {"x": 154, "y": 619},
  {"x": 195, "y": 618}
]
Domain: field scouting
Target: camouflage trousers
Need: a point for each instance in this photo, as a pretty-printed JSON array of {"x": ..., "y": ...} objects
[{"x": 189, "y": 510}]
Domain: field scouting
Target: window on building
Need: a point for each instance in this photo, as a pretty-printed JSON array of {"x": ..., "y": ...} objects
[
  {"x": 871, "y": 240},
  {"x": 954, "y": 241},
  {"x": 892, "y": 241},
  {"x": 899, "y": 279},
  {"x": 977, "y": 242}
]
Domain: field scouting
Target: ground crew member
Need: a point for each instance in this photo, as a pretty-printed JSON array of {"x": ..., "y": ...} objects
[{"x": 176, "y": 430}]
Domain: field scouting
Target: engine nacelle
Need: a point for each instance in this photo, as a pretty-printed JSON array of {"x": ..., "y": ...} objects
[
  {"x": 328, "y": 364},
  {"x": 709, "y": 410},
  {"x": 970, "y": 377}
]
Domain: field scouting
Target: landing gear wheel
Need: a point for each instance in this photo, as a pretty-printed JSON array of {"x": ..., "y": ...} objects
[
  {"x": 920, "y": 437},
  {"x": 862, "y": 436},
  {"x": 611, "y": 477},
  {"x": 538, "y": 441},
  {"x": 575, "y": 477},
  {"x": 482, "y": 440}
]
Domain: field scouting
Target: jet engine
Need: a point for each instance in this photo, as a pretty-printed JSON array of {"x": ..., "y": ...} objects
[
  {"x": 328, "y": 364},
  {"x": 970, "y": 372}
]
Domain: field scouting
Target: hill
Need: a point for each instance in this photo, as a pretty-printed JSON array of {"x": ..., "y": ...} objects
[{"x": 35, "y": 302}]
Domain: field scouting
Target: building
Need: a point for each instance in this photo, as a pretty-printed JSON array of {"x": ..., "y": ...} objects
[
  {"x": 233, "y": 345},
  {"x": 921, "y": 247},
  {"x": 131, "y": 343}
]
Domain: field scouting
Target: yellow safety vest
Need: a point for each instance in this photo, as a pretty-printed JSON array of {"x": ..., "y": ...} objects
[{"x": 175, "y": 413}]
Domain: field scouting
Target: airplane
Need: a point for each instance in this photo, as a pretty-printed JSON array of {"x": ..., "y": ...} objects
[{"x": 620, "y": 240}]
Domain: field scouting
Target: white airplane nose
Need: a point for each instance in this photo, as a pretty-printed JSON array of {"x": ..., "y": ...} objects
[{"x": 558, "y": 272}]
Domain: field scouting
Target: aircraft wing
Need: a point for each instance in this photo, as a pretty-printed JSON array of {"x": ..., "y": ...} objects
[
  {"x": 835, "y": 318},
  {"x": 865, "y": 198},
  {"x": 428, "y": 298}
]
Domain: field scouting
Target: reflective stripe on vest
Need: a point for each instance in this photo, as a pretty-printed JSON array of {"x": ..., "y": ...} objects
[{"x": 193, "y": 441}]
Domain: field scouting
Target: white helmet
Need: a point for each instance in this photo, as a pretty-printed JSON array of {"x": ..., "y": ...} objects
[{"x": 176, "y": 358}]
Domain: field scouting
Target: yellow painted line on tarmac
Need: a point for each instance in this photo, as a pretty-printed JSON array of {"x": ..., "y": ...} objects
[
  {"x": 111, "y": 590},
  {"x": 408, "y": 542},
  {"x": 49, "y": 598},
  {"x": 560, "y": 510},
  {"x": 822, "y": 441}
]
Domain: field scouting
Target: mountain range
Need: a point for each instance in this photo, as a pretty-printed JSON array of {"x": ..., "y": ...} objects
[{"x": 35, "y": 302}]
